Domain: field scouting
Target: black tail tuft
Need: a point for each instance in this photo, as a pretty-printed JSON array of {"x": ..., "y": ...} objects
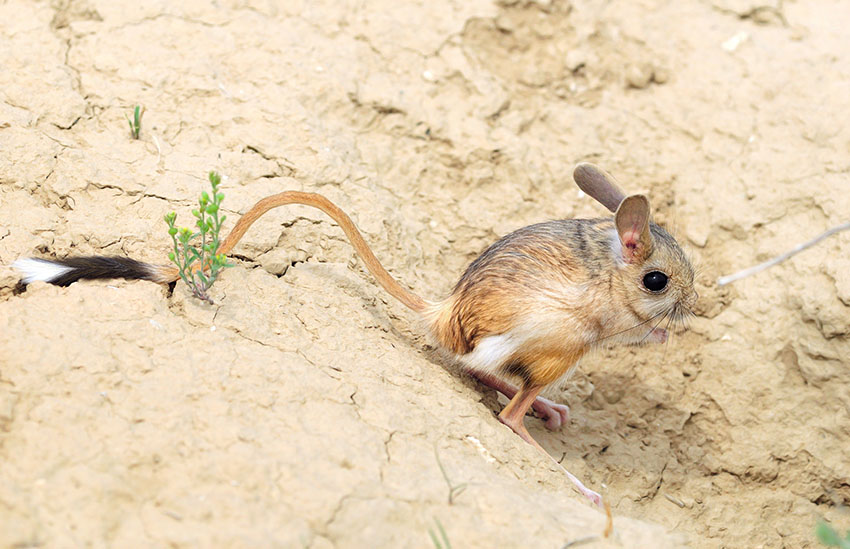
[
  {"x": 100, "y": 266},
  {"x": 67, "y": 271}
]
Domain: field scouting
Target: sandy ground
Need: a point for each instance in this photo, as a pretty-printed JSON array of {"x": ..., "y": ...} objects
[{"x": 305, "y": 408}]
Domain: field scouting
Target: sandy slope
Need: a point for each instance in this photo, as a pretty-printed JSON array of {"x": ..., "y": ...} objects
[{"x": 305, "y": 408}]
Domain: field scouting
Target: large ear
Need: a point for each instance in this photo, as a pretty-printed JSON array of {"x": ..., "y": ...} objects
[
  {"x": 632, "y": 221},
  {"x": 599, "y": 184}
]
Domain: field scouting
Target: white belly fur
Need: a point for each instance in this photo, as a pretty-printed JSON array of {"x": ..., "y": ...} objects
[{"x": 491, "y": 353}]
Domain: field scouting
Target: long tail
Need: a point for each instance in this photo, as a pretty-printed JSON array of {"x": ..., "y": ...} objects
[{"x": 64, "y": 272}]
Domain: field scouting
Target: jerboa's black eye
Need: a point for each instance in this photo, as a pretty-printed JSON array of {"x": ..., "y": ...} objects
[{"x": 655, "y": 281}]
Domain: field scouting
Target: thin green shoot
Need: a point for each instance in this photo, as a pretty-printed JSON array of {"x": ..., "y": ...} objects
[
  {"x": 443, "y": 541},
  {"x": 136, "y": 122},
  {"x": 200, "y": 266},
  {"x": 830, "y": 537}
]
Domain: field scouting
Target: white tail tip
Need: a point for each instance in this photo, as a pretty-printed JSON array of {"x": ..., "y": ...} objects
[{"x": 40, "y": 269}]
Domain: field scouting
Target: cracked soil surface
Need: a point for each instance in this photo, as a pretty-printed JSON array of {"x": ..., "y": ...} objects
[{"x": 306, "y": 408}]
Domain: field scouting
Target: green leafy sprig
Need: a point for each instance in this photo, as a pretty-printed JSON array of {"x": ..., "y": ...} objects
[{"x": 202, "y": 276}]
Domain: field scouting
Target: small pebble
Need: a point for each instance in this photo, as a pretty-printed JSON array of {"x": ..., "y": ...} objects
[{"x": 639, "y": 76}]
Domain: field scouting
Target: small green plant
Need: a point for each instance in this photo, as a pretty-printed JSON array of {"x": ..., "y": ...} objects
[
  {"x": 136, "y": 122},
  {"x": 443, "y": 541},
  {"x": 829, "y": 537},
  {"x": 200, "y": 277}
]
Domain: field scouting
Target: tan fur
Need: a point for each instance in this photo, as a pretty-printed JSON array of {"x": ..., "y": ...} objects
[
  {"x": 501, "y": 285},
  {"x": 549, "y": 364},
  {"x": 165, "y": 274}
]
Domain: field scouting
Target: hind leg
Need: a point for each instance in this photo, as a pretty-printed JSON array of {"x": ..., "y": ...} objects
[
  {"x": 553, "y": 414},
  {"x": 513, "y": 415}
]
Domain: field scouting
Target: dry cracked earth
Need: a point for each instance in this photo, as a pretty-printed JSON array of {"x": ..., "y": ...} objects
[{"x": 306, "y": 408}]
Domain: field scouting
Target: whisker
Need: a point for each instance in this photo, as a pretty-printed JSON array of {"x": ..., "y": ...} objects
[
  {"x": 638, "y": 325},
  {"x": 669, "y": 335},
  {"x": 684, "y": 320},
  {"x": 677, "y": 316},
  {"x": 683, "y": 316},
  {"x": 654, "y": 327}
]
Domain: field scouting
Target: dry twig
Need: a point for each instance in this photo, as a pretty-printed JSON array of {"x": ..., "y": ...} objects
[{"x": 723, "y": 280}]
